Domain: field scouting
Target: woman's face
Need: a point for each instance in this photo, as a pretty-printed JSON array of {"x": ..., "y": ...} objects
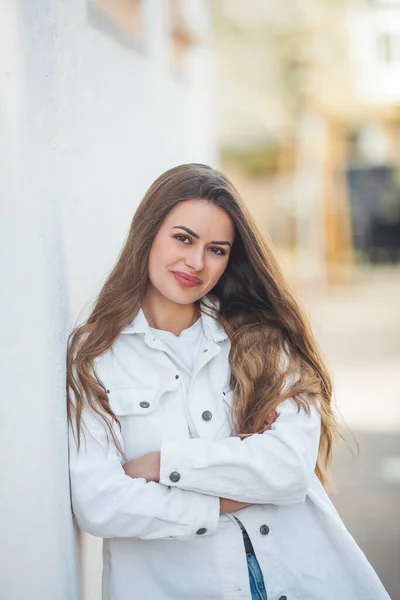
[{"x": 190, "y": 251}]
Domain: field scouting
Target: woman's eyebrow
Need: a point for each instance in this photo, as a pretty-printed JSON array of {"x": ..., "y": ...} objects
[{"x": 225, "y": 243}]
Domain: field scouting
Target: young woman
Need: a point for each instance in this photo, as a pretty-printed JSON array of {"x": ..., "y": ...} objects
[{"x": 201, "y": 425}]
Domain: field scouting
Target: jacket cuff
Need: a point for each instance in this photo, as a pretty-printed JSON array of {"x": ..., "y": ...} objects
[
  {"x": 207, "y": 516},
  {"x": 175, "y": 465},
  {"x": 174, "y": 468}
]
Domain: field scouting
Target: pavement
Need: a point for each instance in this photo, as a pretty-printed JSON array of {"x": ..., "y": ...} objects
[{"x": 358, "y": 328}]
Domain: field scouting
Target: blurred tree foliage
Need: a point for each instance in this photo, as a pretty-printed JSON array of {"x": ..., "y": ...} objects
[{"x": 258, "y": 160}]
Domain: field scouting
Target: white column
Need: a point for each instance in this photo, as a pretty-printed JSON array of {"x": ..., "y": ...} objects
[{"x": 38, "y": 544}]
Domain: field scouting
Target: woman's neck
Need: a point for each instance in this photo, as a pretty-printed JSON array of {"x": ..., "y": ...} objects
[{"x": 164, "y": 314}]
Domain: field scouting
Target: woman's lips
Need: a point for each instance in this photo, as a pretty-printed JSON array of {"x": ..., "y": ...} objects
[{"x": 183, "y": 281}]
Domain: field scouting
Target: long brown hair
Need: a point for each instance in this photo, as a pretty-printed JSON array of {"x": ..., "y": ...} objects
[{"x": 257, "y": 309}]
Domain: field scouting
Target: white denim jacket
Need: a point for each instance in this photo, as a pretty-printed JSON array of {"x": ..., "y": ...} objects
[{"x": 166, "y": 540}]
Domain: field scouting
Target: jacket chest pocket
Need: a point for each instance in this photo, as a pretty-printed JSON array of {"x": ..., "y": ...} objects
[
  {"x": 141, "y": 411},
  {"x": 144, "y": 412}
]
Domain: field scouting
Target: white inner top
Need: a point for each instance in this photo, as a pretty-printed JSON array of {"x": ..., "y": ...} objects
[{"x": 186, "y": 345}]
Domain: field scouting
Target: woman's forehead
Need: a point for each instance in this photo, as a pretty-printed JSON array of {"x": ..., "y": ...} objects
[{"x": 200, "y": 216}]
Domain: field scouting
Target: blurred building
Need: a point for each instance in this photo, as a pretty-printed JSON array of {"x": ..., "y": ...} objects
[
  {"x": 97, "y": 98},
  {"x": 308, "y": 108},
  {"x": 374, "y": 140}
]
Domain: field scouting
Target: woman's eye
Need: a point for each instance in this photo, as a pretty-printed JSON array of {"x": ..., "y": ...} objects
[
  {"x": 181, "y": 235},
  {"x": 221, "y": 251}
]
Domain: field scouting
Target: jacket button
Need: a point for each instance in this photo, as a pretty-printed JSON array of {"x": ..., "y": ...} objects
[
  {"x": 176, "y": 376},
  {"x": 201, "y": 531},
  {"x": 144, "y": 404},
  {"x": 264, "y": 529},
  {"x": 282, "y": 597},
  {"x": 174, "y": 476},
  {"x": 207, "y": 415}
]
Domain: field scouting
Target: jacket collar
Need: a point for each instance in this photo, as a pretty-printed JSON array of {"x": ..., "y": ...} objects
[{"x": 212, "y": 328}]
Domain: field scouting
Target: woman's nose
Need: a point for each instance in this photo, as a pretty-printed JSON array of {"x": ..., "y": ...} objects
[{"x": 195, "y": 259}]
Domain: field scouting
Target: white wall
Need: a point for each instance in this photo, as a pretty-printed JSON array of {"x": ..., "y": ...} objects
[
  {"x": 124, "y": 118},
  {"x": 86, "y": 124},
  {"x": 38, "y": 557}
]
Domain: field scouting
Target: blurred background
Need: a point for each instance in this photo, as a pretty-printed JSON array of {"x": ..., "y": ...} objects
[{"x": 298, "y": 102}]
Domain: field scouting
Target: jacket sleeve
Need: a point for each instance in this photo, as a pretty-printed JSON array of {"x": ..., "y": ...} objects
[
  {"x": 108, "y": 503},
  {"x": 273, "y": 467}
]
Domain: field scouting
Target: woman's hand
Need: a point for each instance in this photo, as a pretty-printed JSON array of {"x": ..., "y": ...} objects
[
  {"x": 226, "y": 505},
  {"x": 147, "y": 466},
  {"x": 271, "y": 418}
]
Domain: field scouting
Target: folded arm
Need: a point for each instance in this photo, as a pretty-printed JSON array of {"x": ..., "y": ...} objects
[
  {"x": 273, "y": 467},
  {"x": 108, "y": 503}
]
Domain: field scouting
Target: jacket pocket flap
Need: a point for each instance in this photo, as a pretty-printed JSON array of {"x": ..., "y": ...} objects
[{"x": 134, "y": 400}]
